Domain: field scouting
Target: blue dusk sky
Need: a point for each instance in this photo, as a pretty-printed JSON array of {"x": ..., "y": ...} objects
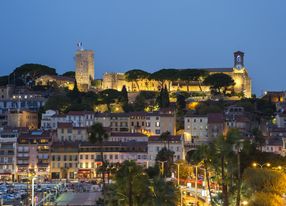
[{"x": 147, "y": 34}]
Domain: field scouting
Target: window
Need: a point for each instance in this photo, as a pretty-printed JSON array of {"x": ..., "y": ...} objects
[
  {"x": 157, "y": 124},
  {"x": 157, "y": 131},
  {"x": 80, "y": 157},
  {"x": 195, "y": 120},
  {"x": 86, "y": 157}
]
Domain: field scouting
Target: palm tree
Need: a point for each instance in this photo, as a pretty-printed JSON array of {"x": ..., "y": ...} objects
[
  {"x": 97, "y": 134},
  {"x": 203, "y": 154},
  {"x": 164, "y": 193},
  {"x": 222, "y": 150},
  {"x": 165, "y": 136}
]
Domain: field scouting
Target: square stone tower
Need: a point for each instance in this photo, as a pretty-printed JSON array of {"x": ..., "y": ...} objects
[{"x": 84, "y": 73}]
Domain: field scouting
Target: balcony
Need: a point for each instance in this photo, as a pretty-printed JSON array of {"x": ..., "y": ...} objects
[
  {"x": 23, "y": 157},
  {"x": 43, "y": 150},
  {"x": 23, "y": 151}
]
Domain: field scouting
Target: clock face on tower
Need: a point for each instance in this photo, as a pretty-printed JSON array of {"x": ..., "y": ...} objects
[{"x": 238, "y": 59}]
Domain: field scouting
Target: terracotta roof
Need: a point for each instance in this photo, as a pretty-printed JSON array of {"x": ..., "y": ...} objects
[
  {"x": 113, "y": 143},
  {"x": 79, "y": 112},
  {"x": 122, "y": 114},
  {"x": 65, "y": 125},
  {"x": 127, "y": 134},
  {"x": 158, "y": 139}
]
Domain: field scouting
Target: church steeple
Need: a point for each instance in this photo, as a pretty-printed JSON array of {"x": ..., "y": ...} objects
[{"x": 238, "y": 59}]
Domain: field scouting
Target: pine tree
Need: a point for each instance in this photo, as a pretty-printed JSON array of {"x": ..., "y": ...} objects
[
  {"x": 124, "y": 99},
  {"x": 75, "y": 88}
]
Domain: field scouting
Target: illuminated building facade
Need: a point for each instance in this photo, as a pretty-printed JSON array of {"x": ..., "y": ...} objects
[
  {"x": 84, "y": 73},
  {"x": 238, "y": 72}
]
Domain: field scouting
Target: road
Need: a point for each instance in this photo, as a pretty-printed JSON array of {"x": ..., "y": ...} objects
[{"x": 77, "y": 198}]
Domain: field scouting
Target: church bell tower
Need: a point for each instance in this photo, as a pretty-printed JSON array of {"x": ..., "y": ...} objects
[{"x": 238, "y": 59}]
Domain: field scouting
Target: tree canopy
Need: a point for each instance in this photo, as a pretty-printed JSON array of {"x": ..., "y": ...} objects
[
  {"x": 219, "y": 82},
  {"x": 70, "y": 74},
  {"x": 28, "y": 72}
]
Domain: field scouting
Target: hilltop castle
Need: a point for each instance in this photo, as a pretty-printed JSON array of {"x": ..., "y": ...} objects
[
  {"x": 84, "y": 73},
  {"x": 238, "y": 72}
]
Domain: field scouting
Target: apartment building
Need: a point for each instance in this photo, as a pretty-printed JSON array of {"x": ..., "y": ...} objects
[
  {"x": 8, "y": 141},
  {"x": 160, "y": 122},
  {"x": 174, "y": 143},
  {"x": 68, "y": 132},
  {"x": 64, "y": 160},
  {"x": 127, "y": 137},
  {"x": 114, "y": 152},
  {"x": 196, "y": 128},
  {"x": 33, "y": 154},
  {"x": 23, "y": 118}
]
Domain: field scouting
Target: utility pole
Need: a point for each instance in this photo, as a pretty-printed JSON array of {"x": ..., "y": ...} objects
[{"x": 196, "y": 185}]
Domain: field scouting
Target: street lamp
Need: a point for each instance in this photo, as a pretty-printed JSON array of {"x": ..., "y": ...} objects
[
  {"x": 255, "y": 164},
  {"x": 33, "y": 190},
  {"x": 178, "y": 174},
  {"x": 244, "y": 202}
]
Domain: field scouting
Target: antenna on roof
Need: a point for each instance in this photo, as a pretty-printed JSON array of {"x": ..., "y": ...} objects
[{"x": 79, "y": 46}]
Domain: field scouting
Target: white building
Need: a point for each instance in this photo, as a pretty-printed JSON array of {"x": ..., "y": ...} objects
[
  {"x": 175, "y": 144},
  {"x": 8, "y": 142},
  {"x": 276, "y": 145},
  {"x": 160, "y": 122},
  {"x": 196, "y": 128},
  {"x": 127, "y": 137},
  {"x": 280, "y": 120},
  {"x": 46, "y": 121}
]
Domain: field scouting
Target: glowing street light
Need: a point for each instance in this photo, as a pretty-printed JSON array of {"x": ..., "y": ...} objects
[
  {"x": 255, "y": 164},
  {"x": 244, "y": 202}
]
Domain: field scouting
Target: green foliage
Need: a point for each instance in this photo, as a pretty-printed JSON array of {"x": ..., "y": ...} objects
[
  {"x": 66, "y": 101},
  {"x": 166, "y": 157},
  {"x": 265, "y": 199},
  {"x": 163, "y": 99},
  {"x": 29, "y": 72},
  {"x": 153, "y": 172},
  {"x": 265, "y": 180},
  {"x": 189, "y": 75},
  {"x": 133, "y": 187},
  {"x": 97, "y": 133},
  {"x": 207, "y": 107},
  {"x": 140, "y": 103},
  {"x": 165, "y": 193},
  {"x": 219, "y": 82},
  {"x": 58, "y": 102},
  {"x": 136, "y": 75},
  {"x": 164, "y": 75},
  {"x": 4, "y": 80},
  {"x": 186, "y": 170},
  {"x": 109, "y": 96},
  {"x": 264, "y": 186},
  {"x": 181, "y": 102},
  {"x": 124, "y": 99},
  {"x": 70, "y": 74}
]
